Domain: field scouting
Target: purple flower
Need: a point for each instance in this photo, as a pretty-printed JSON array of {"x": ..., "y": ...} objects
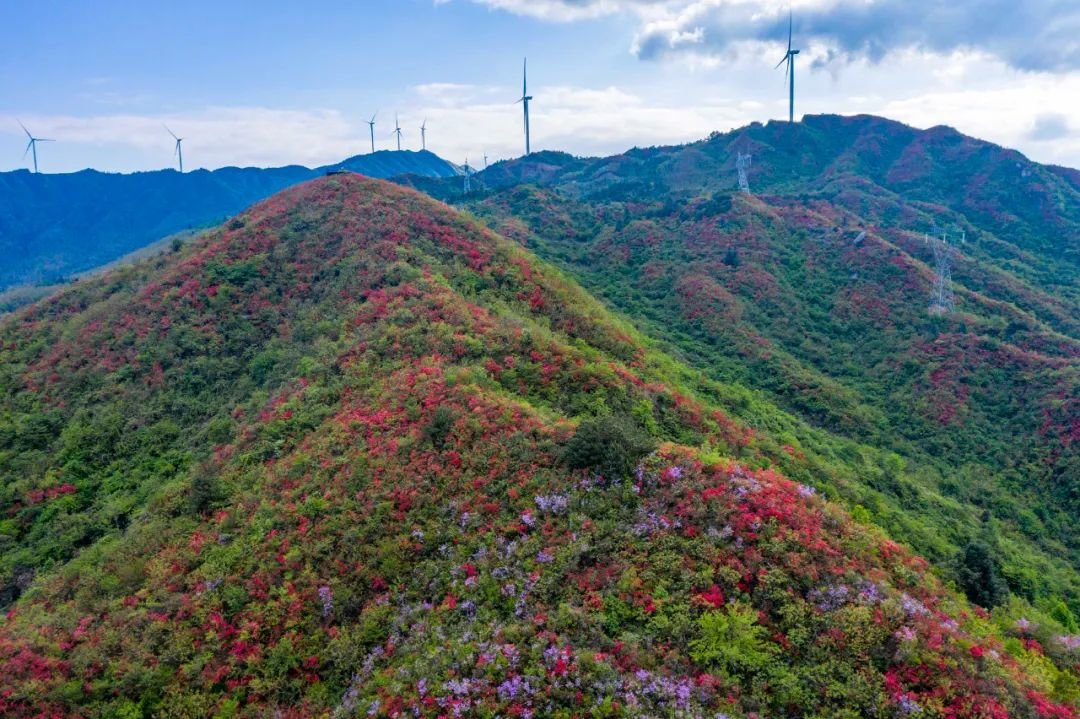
[
  {"x": 421, "y": 687},
  {"x": 553, "y": 503},
  {"x": 327, "y": 598},
  {"x": 829, "y": 598},
  {"x": 805, "y": 491},
  {"x": 544, "y": 556},
  {"x": 870, "y": 593},
  {"x": 513, "y": 688},
  {"x": 528, "y": 519},
  {"x": 913, "y": 607},
  {"x": 908, "y": 706},
  {"x": 1069, "y": 642},
  {"x": 457, "y": 687},
  {"x": 468, "y": 607},
  {"x": 1023, "y": 624},
  {"x": 675, "y": 472}
]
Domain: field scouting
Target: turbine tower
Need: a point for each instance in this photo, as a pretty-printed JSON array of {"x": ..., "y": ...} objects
[
  {"x": 371, "y": 126},
  {"x": 178, "y": 152},
  {"x": 423, "y": 135},
  {"x": 525, "y": 98},
  {"x": 789, "y": 72},
  {"x": 32, "y": 145},
  {"x": 468, "y": 174},
  {"x": 397, "y": 131}
]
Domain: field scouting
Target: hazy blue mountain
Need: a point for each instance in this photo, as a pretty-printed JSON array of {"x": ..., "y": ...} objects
[{"x": 54, "y": 225}]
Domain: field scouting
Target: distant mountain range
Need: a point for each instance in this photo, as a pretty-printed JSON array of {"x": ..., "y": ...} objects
[{"x": 52, "y": 226}]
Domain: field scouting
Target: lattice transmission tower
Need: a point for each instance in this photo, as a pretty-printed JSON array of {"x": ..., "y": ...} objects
[
  {"x": 742, "y": 164},
  {"x": 942, "y": 299}
]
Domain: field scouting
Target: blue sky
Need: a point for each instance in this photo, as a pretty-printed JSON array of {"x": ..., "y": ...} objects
[{"x": 271, "y": 83}]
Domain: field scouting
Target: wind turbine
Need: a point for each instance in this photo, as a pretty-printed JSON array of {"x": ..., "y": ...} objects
[
  {"x": 525, "y": 98},
  {"x": 32, "y": 145},
  {"x": 371, "y": 125},
  {"x": 397, "y": 131},
  {"x": 178, "y": 152},
  {"x": 423, "y": 135},
  {"x": 789, "y": 72}
]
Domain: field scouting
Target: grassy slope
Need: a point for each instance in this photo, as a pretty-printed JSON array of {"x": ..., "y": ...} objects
[{"x": 312, "y": 465}]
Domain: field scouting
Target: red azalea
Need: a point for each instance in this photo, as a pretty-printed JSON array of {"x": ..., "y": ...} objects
[{"x": 713, "y": 596}]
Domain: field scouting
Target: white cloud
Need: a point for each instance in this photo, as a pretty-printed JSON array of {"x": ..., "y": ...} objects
[{"x": 1027, "y": 34}]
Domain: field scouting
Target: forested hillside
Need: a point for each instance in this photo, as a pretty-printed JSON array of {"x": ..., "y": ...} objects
[
  {"x": 815, "y": 290},
  {"x": 353, "y": 454}
]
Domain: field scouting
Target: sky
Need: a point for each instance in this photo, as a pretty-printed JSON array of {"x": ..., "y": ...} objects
[{"x": 273, "y": 83}]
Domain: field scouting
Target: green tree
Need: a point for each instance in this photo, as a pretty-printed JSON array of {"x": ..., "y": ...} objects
[
  {"x": 732, "y": 640},
  {"x": 979, "y": 575},
  {"x": 609, "y": 445},
  {"x": 437, "y": 430}
]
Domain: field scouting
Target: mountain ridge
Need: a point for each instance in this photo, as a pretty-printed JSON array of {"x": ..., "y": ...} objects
[
  {"x": 815, "y": 290},
  {"x": 54, "y": 225}
]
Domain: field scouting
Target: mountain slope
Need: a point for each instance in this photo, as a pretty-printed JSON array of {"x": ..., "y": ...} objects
[
  {"x": 54, "y": 225},
  {"x": 335, "y": 459},
  {"x": 816, "y": 289}
]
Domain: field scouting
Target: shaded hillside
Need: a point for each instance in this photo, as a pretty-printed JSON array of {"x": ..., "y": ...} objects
[
  {"x": 341, "y": 457},
  {"x": 52, "y": 226}
]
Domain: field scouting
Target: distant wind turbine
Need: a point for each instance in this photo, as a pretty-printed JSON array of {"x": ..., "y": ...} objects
[
  {"x": 32, "y": 145},
  {"x": 397, "y": 131},
  {"x": 423, "y": 135},
  {"x": 371, "y": 125},
  {"x": 178, "y": 152},
  {"x": 525, "y": 98},
  {"x": 789, "y": 72}
]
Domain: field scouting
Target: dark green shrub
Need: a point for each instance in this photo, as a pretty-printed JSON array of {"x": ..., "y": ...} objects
[
  {"x": 978, "y": 574},
  {"x": 610, "y": 446},
  {"x": 437, "y": 430},
  {"x": 203, "y": 493}
]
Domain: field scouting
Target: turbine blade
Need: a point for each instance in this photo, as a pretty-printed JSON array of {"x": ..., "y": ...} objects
[
  {"x": 27, "y": 150},
  {"x": 24, "y": 129},
  {"x": 789, "y": 31},
  {"x": 169, "y": 131},
  {"x": 782, "y": 61}
]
